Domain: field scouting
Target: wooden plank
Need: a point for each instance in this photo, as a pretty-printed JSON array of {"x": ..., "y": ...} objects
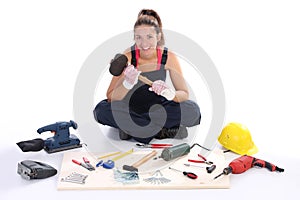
[{"x": 104, "y": 179}]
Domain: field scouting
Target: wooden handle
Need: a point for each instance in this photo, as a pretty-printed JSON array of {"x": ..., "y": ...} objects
[
  {"x": 145, "y": 159},
  {"x": 145, "y": 80}
]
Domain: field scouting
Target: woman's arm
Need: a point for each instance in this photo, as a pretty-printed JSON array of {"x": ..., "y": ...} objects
[
  {"x": 181, "y": 89},
  {"x": 116, "y": 90}
]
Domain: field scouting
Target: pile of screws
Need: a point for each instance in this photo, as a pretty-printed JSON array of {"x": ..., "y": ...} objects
[
  {"x": 75, "y": 178},
  {"x": 126, "y": 177}
]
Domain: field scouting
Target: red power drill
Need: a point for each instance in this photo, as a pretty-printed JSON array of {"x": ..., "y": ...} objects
[{"x": 243, "y": 163}]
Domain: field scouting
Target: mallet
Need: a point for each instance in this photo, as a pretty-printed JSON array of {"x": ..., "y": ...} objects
[
  {"x": 119, "y": 63},
  {"x": 135, "y": 166}
]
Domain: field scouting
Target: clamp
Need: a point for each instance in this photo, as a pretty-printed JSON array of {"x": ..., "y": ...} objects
[
  {"x": 201, "y": 161},
  {"x": 86, "y": 164}
]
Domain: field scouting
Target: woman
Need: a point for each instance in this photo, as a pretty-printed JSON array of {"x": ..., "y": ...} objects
[{"x": 145, "y": 112}]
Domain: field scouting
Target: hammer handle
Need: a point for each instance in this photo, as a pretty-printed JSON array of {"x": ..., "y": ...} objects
[
  {"x": 145, "y": 80},
  {"x": 144, "y": 159}
]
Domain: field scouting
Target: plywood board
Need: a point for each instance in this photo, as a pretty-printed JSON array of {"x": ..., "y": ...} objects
[{"x": 106, "y": 179}]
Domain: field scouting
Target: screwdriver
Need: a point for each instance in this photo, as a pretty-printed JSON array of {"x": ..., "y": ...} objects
[{"x": 188, "y": 174}]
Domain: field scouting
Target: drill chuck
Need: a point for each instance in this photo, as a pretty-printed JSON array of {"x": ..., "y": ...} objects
[
  {"x": 227, "y": 170},
  {"x": 171, "y": 153}
]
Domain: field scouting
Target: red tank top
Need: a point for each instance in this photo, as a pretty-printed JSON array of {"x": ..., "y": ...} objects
[{"x": 158, "y": 53}]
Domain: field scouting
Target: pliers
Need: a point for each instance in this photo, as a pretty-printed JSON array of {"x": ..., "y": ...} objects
[
  {"x": 154, "y": 146},
  {"x": 86, "y": 164},
  {"x": 201, "y": 161}
]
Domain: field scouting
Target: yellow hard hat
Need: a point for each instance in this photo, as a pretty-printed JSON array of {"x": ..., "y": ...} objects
[{"x": 237, "y": 138}]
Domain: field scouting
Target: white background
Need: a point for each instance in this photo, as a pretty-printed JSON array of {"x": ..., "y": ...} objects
[{"x": 255, "y": 46}]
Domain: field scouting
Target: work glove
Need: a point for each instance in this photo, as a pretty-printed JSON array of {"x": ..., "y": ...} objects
[
  {"x": 161, "y": 88},
  {"x": 131, "y": 77}
]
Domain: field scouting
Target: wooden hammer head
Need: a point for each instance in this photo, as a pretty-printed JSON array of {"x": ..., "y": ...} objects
[{"x": 118, "y": 64}]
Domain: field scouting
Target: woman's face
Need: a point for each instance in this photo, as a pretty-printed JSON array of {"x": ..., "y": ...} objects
[{"x": 146, "y": 40}]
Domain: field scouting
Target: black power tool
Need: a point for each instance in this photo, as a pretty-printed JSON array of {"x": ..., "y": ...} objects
[{"x": 29, "y": 169}]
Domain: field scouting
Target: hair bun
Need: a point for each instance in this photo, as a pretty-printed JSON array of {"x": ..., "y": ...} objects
[
  {"x": 148, "y": 12},
  {"x": 151, "y": 14}
]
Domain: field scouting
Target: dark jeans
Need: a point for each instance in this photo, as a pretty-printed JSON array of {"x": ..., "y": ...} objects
[{"x": 145, "y": 126}]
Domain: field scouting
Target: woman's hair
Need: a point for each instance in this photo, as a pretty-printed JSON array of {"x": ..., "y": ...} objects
[{"x": 151, "y": 18}]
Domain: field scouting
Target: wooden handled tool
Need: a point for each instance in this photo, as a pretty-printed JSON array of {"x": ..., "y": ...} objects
[
  {"x": 135, "y": 166},
  {"x": 119, "y": 63},
  {"x": 145, "y": 80}
]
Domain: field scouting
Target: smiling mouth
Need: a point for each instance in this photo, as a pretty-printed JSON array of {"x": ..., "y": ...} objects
[{"x": 145, "y": 49}]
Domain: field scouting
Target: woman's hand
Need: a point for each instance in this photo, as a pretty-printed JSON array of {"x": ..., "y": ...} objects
[
  {"x": 161, "y": 88},
  {"x": 131, "y": 77}
]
